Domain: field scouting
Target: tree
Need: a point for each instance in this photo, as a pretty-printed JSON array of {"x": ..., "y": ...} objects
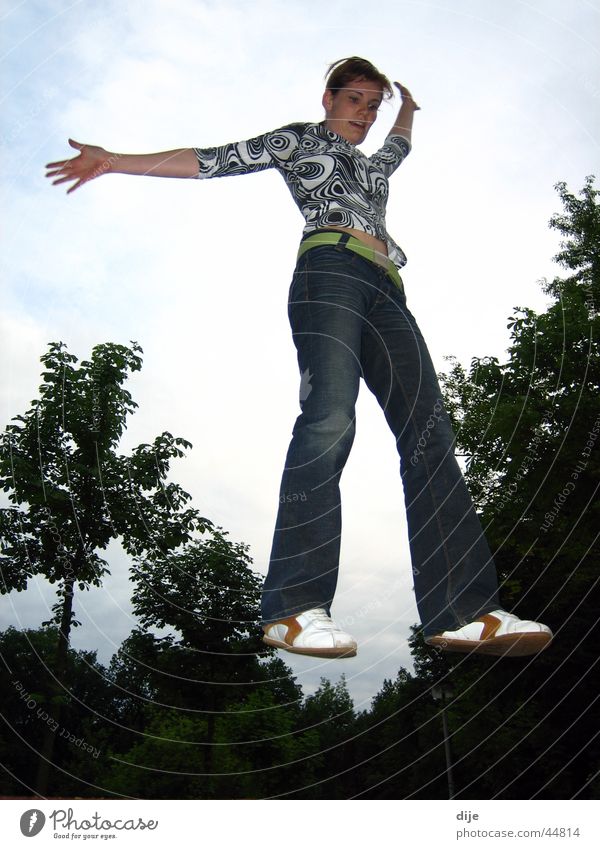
[
  {"x": 328, "y": 714},
  {"x": 530, "y": 427},
  {"x": 526, "y": 423},
  {"x": 210, "y": 595},
  {"x": 207, "y": 592},
  {"x": 74, "y": 493},
  {"x": 81, "y": 735}
]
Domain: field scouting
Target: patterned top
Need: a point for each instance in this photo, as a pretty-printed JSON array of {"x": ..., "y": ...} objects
[{"x": 332, "y": 182}]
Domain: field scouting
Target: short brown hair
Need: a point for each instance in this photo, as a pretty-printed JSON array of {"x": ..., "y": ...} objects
[{"x": 342, "y": 72}]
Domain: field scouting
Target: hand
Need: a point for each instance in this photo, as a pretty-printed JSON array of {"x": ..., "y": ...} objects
[
  {"x": 406, "y": 95},
  {"x": 91, "y": 162}
]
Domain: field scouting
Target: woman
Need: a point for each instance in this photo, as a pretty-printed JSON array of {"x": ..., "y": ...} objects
[{"x": 349, "y": 319}]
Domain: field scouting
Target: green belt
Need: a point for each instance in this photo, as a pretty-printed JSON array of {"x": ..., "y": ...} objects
[{"x": 327, "y": 237}]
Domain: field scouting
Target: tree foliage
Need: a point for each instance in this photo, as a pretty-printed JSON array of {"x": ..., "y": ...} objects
[
  {"x": 531, "y": 429},
  {"x": 72, "y": 492}
]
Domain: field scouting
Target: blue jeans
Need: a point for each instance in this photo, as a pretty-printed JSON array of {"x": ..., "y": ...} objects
[{"x": 349, "y": 320}]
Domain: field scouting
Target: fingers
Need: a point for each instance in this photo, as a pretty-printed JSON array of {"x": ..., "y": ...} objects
[
  {"x": 55, "y": 173},
  {"x": 76, "y": 186},
  {"x": 63, "y": 179},
  {"x": 405, "y": 94},
  {"x": 64, "y": 175},
  {"x": 65, "y": 172}
]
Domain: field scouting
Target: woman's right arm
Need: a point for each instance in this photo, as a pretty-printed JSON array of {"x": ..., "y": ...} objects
[{"x": 94, "y": 161}]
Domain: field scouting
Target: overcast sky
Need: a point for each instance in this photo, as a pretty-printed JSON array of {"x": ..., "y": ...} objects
[{"x": 198, "y": 272}]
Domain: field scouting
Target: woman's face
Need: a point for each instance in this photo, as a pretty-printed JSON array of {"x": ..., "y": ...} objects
[{"x": 350, "y": 111}]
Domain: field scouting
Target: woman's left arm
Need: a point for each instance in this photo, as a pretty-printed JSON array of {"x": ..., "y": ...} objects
[{"x": 404, "y": 120}]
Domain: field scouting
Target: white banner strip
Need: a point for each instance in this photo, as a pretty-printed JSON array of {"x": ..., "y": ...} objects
[{"x": 257, "y": 824}]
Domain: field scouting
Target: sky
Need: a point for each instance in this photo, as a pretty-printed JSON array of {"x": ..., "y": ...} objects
[{"x": 198, "y": 272}]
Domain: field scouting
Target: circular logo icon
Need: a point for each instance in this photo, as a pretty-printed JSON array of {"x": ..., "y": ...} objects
[{"x": 32, "y": 822}]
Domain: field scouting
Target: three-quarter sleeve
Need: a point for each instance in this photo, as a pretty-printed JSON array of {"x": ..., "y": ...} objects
[
  {"x": 269, "y": 150},
  {"x": 394, "y": 150}
]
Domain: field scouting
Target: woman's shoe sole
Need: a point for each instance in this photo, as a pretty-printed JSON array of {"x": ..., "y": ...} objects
[
  {"x": 326, "y": 653},
  {"x": 508, "y": 645}
]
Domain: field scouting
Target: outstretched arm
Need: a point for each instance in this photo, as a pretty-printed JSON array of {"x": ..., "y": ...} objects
[
  {"x": 404, "y": 120},
  {"x": 94, "y": 161}
]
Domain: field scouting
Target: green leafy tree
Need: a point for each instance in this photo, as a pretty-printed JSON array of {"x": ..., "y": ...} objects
[
  {"x": 264, "y": 754},
  {"x": 164, "y": 762},
  {"x": 134, "y": 672},
  {"x": 81, "y": 735},
  {"x": 73, "y": 493},
  {"x": 329, "y": 715},
  {"x": 400, "y": 741},
  {"x": 257, "y": 754},
  {"x": 530, "y": 427},
  {"x": 208, "y": 594}
]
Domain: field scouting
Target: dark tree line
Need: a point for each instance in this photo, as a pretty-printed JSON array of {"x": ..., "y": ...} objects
[{"x": 209, "y": 711}]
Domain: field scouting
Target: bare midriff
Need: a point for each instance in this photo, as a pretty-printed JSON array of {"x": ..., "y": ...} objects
[{"x": 365, "y": 238}]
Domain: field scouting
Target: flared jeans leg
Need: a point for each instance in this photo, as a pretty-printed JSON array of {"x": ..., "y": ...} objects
[
  {"x": 349, "y": 320},
  {"x": 455, "y": 577},
  {"x": 326, "y": 309}
]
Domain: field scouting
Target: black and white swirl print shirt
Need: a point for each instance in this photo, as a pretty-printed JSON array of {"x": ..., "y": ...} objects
[{"x": 332, "y": 182}]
